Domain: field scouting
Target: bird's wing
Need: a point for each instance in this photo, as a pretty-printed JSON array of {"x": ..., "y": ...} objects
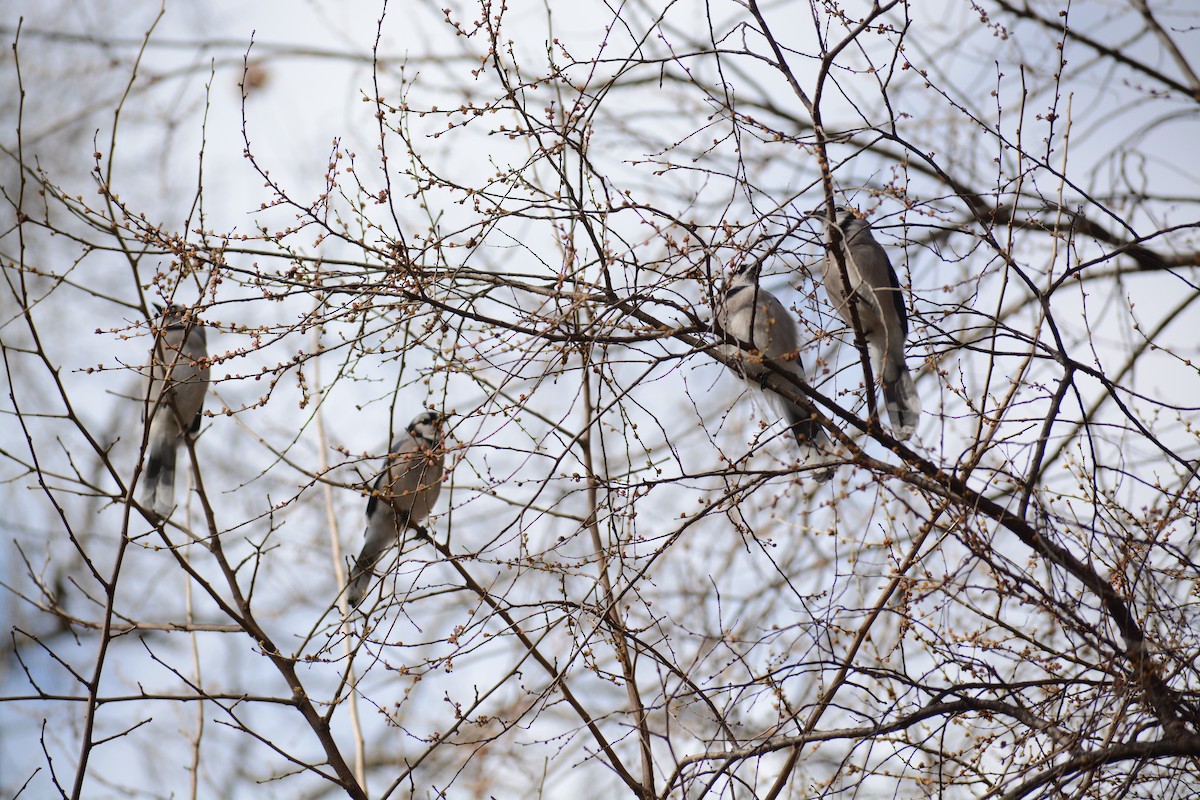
[
  {"x": 898, "y": 298},
  {"x": 875, "y": 269},
  {"x": 779, "y": 339},
  {"x": 386, "y": 480}
]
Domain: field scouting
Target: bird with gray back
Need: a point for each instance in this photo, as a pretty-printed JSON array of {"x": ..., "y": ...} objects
[
  {"x": 881, "y": 312},
  {"x": 752, "y": 315},
  {"x": 403, "y": 496},
  {"x": 174, "y": 398}
]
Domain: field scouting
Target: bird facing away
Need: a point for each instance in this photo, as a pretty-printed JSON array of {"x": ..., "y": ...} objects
[
  {"x": 175, "y": 395},
  {"x": 880, "y": 307},
  {"x": 403, "y": 496},
  {"x": 751, "y": 314}
]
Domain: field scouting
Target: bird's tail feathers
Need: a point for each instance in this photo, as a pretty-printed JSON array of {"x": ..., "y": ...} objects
[
  {"x": 360, "y": 578},
  {"x": 363, "y": 570},
  {"x": 158, "y": 487},
  {"x": 903, "y": 404},
  {"x": 809, "y": 437}
]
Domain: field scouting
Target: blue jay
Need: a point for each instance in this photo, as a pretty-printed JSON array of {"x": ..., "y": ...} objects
[
  {"x": 753, "y": 315},
  {"x": 177, "y": 385},
  {"x": 881, "y": 312},
  {"x": 403, "y": 496}
]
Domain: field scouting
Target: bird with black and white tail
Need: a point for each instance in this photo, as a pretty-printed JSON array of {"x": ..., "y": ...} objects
[
  {"x": 751, "y": 315},
  {"x": 880, "y": 309},
  {"x": 403, "y": 495},
  {"x": 174, "y": 399}
]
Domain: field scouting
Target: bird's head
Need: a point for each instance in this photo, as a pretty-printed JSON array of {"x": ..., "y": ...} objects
[
  {"x": 842, "y": 215},
  {"x": 174, "y": 317},
  {"x": 168, "y": 314},
  {"x": 845, "y": 218},
  {"x": 745, "y": 273},
  {"x": 427, "y": 426}
]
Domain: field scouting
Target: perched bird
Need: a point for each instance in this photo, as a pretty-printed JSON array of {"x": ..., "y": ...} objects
[
  {"x": 881, "y": 312},
  {"x": 403, "y": 496},
  {"x": 175, "y": 396},
  {"x": 751, "y": 314}
]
